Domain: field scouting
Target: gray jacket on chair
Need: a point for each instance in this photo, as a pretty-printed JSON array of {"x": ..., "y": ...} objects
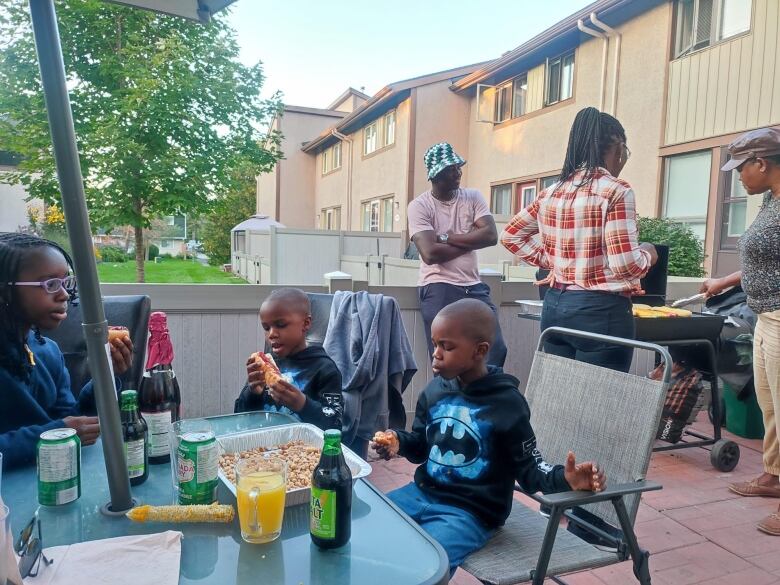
[{"x": 367, "y": 340}]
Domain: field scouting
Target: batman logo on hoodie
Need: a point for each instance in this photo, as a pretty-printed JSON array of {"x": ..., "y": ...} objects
[{"x": 457, "y": 439}]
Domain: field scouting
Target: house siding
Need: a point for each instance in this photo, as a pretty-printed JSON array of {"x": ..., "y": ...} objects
[{"x": 729, "y": 87}]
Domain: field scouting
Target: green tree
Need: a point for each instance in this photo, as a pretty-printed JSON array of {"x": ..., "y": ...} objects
[
  {"x": 227, "y": 213},
  {"x": 686, "y": 250},
  {"x": 164, "y": 112}
]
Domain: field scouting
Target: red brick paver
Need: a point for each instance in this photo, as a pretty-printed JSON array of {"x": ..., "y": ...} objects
[{"x": 696, "y": 530}]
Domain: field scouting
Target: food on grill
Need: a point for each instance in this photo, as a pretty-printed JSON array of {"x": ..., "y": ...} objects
[
  {"x": 268, "y": 367},
  {"x": 301, "y": 460},
  {"x": 178, "y": 514},
  {"x": 648, "y": 312}
]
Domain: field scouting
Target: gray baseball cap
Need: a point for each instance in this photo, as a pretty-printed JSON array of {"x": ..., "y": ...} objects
[{"x": 759, "y": 143}]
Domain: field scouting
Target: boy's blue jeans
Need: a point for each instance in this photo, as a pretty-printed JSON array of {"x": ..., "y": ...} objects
[{"x": 458, "y": 532}]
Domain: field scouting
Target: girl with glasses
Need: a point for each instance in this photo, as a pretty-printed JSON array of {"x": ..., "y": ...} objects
[{"x": 36, "y": 287}]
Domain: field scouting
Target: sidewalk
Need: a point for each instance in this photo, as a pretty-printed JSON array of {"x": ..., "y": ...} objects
[{"x": 695, "y": 529}]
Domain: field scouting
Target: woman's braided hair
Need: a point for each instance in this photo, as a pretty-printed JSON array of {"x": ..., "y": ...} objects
[
  {"x": 592, "y": 133},
  {"x": 13, "y": 250}
]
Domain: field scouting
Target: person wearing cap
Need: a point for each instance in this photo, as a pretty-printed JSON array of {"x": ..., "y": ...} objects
[
  {"x": 448, "y": 224},
  {"x": 756, "y": 155}
]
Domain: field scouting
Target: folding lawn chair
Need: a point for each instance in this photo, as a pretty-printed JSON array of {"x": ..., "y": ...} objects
[{"x": 601, "y": 415}]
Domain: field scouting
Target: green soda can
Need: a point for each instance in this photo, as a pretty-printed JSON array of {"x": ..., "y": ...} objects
[
  {"x": 198, "y": 464},
  {"x": 59, "y": 467}
]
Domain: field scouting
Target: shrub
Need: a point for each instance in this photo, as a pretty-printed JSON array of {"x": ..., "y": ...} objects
[
  {"x": 113, "y": 254},
  {"x": 166, "y": 256},
  {"x": 154, "y": 251},
  {"x": 686, "y": 250}
]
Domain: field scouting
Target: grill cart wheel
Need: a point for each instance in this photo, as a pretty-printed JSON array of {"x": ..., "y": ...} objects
[{"x": 724, "y": 455}]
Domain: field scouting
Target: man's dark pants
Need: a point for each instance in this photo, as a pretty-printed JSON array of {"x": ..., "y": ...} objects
[{"x": 435, "y": 296}]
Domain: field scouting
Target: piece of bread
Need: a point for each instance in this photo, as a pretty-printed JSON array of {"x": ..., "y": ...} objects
[
  {"x": 268, "y": 367},
  {"x": 116, "y": 332}
]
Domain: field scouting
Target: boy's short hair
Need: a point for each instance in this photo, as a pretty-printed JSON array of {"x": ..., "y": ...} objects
[
  {"x": 475, "y": 319},
  {"x": 294, "y": 299}
]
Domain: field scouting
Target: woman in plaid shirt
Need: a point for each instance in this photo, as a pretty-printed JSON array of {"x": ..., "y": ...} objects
[{"x": 587, "y": 239}]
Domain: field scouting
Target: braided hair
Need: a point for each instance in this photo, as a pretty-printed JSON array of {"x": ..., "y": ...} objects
[
  {"x": 592, "y": 133},
  {"x": 13, "y": 249}
]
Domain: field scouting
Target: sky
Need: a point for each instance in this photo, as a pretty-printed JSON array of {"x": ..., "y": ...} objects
[{"x": 313, "y": 50}]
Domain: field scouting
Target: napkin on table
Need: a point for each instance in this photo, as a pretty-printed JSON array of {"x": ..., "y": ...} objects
[{"x": 125, "y": 560}]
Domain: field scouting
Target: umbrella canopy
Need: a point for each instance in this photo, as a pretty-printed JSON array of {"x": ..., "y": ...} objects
[
  {"x": 66, "y": 156},
  {"x": 201, "y": 10}
]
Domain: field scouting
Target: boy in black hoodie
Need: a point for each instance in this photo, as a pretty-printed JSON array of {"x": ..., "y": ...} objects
[
  {"x": 311, "y": 390},
  {"x": 473, "y": 436}
]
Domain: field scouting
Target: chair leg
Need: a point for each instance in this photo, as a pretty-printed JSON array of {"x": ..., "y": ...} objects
[
  {"x": 641, "y": 558},
  {"x": 540, "y": 573}
]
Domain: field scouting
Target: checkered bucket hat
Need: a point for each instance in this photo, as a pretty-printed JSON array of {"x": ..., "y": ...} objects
[{"x": 440, "y": 156}]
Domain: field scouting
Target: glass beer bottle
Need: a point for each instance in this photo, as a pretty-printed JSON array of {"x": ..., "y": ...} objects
[
  {"x": 330, "y": 513},
  {"x": 134, "y": 437},
  {"x": 159, "y": 396}
]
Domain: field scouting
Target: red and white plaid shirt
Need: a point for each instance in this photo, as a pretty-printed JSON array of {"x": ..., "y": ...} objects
[{"x": 587, "y": 234}]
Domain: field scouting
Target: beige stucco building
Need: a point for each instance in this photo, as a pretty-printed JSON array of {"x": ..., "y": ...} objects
[
  {"x": 685, "y": 77},
  {"x": 287, "y": 192}
]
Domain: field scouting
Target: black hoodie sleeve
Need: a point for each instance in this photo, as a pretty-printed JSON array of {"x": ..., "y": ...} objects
[
  {"x": 249, "y": 401},
  {"x": 532, "y": 472},
  {"x": 414, "y": 445},
  {"x": 315, "y": 410}
]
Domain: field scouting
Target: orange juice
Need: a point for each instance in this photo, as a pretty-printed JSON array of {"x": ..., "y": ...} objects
[{"x": 260, "y": 497}]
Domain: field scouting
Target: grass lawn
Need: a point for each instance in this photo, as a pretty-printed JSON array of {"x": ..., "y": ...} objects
[{"x": 174, "y": 270}]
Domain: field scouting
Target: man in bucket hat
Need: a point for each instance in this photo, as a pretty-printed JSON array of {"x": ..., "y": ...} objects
[{"x": 448, "y": 224}]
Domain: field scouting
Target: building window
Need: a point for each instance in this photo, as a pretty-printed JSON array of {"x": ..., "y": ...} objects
[
  {"x": 519, "y": 95},
  {"x": 687, "y": 190},
  {"x": 331, "y": 158},
  {"x": 330, "y": 219},
  {"x": 239, "y": 241},
  {"x": 734, "y": 201},
  {"x": 369, "y": 138},
  {"x": 379, "y": 133},
  {"x": 388, "y": 129},
  {"x": 560, "y": 78},
  {"x": 701, "y": 23},
  {"x": 526, "y": 193},
  {"x": 503, "y": 102},
  {"x": 501, "y": 199},
  {"x": 378, "y": 215},
  {"x": 546, "y": 182}
]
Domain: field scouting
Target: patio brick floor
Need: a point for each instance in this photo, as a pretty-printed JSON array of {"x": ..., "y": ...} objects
[{"x": 695, "y": 529}]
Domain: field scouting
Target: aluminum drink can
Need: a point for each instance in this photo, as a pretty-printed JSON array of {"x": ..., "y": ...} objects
[
  {"x": 59, "y": 467},
  {"x": 198, "y": 465}
]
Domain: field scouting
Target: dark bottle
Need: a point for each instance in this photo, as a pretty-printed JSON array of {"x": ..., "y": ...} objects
[
  {"x": 330, "y": 513},
  {"x": 159, "y": 396},
  {"x": 134, "y": 437}
]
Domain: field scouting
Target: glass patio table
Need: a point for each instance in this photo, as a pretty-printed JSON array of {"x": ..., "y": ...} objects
[{"x": 386, "y": 546}]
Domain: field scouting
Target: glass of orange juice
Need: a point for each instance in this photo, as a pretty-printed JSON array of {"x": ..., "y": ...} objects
[{"x": 261, "y": 485}]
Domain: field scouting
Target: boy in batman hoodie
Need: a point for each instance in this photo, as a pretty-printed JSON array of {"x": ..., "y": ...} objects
[
  {"x": 311, "y": 391},
  {"x": 473, "y": 436}
]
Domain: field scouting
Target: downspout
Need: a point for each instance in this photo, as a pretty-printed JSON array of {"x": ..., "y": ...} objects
[
  {"x": 611, "y": 32},
  {"x": 348, "y": 140},
  {"x": 599, "y": 35}
]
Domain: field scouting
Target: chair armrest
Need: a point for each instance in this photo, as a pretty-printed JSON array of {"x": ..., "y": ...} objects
[{"x": 580, "y": 498}]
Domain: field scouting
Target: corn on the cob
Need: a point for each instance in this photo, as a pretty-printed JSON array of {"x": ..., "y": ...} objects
[
  {"x": 178, "y": 514},
  {"x": 647, "y": 312}
]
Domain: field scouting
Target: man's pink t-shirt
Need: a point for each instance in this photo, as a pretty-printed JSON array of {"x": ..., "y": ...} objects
[{"x": 426, "y": 213}]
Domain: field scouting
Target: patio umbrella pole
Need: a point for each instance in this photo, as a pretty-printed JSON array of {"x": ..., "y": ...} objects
[{"x": 63, "y": 135}]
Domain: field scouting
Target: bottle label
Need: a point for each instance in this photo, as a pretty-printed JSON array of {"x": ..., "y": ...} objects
[
  {"x": 134, "y": 455},
  {"x": 323, "y": 513},
  {"x": 159, "y": 425}
]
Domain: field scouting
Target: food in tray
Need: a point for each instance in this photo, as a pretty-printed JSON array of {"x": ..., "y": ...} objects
[
  {"x": 268, "y": 367},
  {"x": 301, "y": 460},
  {"x": 648, "y": 312},
  {"x": 177, "y": 514}
]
